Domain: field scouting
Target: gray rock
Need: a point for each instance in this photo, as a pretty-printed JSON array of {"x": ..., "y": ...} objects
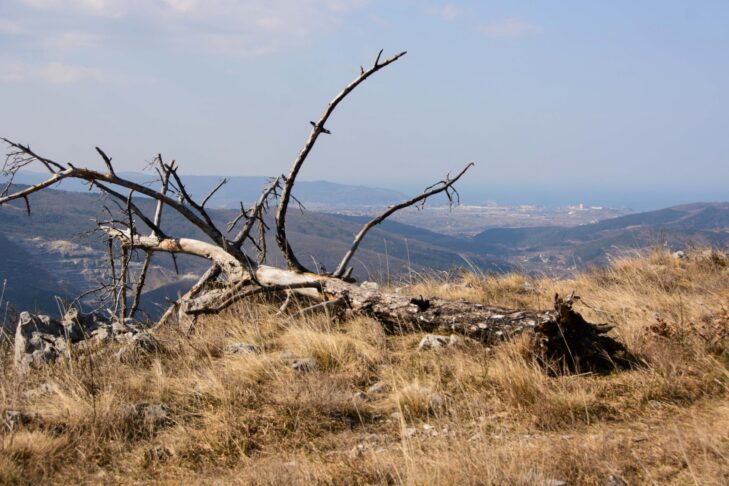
[
  {"x": 241, "y": 348},
  {"x": 454, "y": 341},
  {"x": 409, "y": 432},
  {"x": 16, "y": 418},
  {"x": 362, "y": 396},
  {"x": 432, "y": 341},
  {"x": 377, "y": 388},
  {"x": 305, "y": 365},
  {"x": 679, "y": 255},
  {"x": 39, "y": 339},
  {"x": 370, "y": 285}
]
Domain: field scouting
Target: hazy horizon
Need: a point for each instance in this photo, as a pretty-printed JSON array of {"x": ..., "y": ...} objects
[{"x": 633, "y": 198}]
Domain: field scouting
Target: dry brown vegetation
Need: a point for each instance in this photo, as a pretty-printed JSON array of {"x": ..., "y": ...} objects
[{"x": 461, "y": 414}]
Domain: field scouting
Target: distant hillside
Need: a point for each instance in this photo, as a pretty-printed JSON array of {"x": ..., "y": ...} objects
[
  {"x": 677, "y": 227},
  {"x": 27, "y": 286},
  {"x": 247, "y": 189},
  {"x": 59, "y": 236},
  {"x": 55, "y": 250}
]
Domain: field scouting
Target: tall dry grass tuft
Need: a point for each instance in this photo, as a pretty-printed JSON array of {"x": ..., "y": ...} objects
[{"x": 376, "y": 410}]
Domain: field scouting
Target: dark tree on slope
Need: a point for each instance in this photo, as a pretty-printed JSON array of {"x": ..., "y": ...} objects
[{"x": 234, "y": 275}]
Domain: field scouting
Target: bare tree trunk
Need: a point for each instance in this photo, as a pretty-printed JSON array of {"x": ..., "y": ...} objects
[{"x": 559, "y": 337}]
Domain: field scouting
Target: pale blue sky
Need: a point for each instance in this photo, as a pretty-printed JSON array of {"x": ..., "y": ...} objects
[{"x": 623, "y": 97}]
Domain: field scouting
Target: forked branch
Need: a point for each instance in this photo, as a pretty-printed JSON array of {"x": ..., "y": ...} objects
[
  {"x": 317, "y": 129},
  {"x": 446, "y": 185}
]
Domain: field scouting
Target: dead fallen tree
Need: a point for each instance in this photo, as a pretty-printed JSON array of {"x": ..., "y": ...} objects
[{"x": 236, "y": 274}]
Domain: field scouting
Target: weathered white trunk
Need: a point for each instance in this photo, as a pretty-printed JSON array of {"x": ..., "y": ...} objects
[{"x": 559, "y": 334}]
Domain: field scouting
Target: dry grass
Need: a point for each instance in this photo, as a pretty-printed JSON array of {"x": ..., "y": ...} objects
[{"x": 456, "y": 415}]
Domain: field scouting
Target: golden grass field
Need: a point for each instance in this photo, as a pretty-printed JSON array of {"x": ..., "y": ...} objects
[{"x": 465, "y": 414}]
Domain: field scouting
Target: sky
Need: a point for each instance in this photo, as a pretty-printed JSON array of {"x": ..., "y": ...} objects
[{"x": 620, "y": 102}]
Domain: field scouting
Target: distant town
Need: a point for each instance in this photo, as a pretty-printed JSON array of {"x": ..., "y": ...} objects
[{"x": 469, "y": 220}]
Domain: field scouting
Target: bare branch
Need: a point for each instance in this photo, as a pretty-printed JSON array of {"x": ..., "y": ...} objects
[
  {"x": 379, "y": 54},
  {"x": 317, "y": 129},
  {"x": 203, "y": 223},
  {"x": 327, "y": 304},
  {"x": 165, "y": 178},
  {"x": 140, "y": 283},
  {"x": 234, "y": 297},
  {"x": 132, "y": 207},
  {"x": 107, "y": 160},
  {"x": 52, "y": 166},
  {"x": 216, "y": 254},
  {"x": 215, "y": 189},
  {"x": 211, "y": 274},
  {"x": 442, "y": 186},
  {"x": 206, "y": 217},
  {"x": 256, "y": 212}
]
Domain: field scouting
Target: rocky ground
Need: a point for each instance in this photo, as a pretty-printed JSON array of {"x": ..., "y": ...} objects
[{"x": 253, "y": 398}]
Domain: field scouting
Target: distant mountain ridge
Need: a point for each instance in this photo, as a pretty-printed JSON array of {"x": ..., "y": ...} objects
[
  {"x": 674, "y": 227},
  {"x": 247, "y": 189}
]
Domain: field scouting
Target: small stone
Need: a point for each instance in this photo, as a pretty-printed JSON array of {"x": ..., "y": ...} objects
[
  {"x": 554, "y": 482},
  {"x": 431, "y": 341},
  {"x": 101, "y": 334},
  {"x": 369, "y": 285},
  {"x": 378, "y": 387},
  {"x": 304, "y": 365},
  {"x": 455, "y": 340},
  {"x": 427, "y": 427},
  {"x": 679, "y": 255},
  {"x": 614, "y": 480},
  {"x": 436, "y": 400},
  {"x": 40, "y": 390},
  {"x": 356, "y": 452},
  {"x": 16, "y": 418},
  {"x": 409, "y": 432},
  {"x": 118, "y": 327},
  {"x": 527, "y": 288},
  {"x": 241, "y": 348},
  {"x": 395, "y": 415}
]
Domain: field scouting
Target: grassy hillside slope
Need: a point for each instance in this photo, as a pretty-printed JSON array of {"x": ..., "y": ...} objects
[
  {"x": 697, "y": 224},
  {"x": 376, "y": 410}
]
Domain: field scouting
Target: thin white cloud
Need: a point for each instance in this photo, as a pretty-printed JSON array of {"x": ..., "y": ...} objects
[
  {"x": 446, "y": 12},
  {"x": 510, "y": 29},
  {"x": 237, "y": 27},
  {"x": 52, "y": 73}
]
